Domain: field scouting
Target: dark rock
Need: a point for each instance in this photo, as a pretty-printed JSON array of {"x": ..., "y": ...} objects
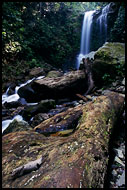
[
  {"x": 42, "y": 107},
  {"x": 13, "y": 104},
  {"x": 61, "y": 101},
  {"x": 55, "y": 111},
  {"x": 22, "y": 101},
  {"x": 60, "y": 122},
  {"x": 27, "y": 93},
  {"x": 38, "y": 119}
]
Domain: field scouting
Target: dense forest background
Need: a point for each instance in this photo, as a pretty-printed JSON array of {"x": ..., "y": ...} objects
[{"x": 40, "y": 33}]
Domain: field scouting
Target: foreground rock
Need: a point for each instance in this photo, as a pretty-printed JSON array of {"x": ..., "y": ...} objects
[
  {"x": 78, "y": 160},
  {"x": 60, "y": 87}
]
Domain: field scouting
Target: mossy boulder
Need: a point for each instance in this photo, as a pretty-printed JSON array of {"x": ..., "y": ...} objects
[
  {"x": 106, "y": 60},
  {"x": 77, "y": 161},
  {"x": 17, "y": 126}
]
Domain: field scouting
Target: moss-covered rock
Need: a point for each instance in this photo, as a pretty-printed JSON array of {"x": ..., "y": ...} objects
[
  {"x": 52, "y": 74},
  {"x": 111, "y": 53},
  {"x": 78, "y": 160},
  {"x": 106, "y": 60},
  {"x": 17, "y": 126}
]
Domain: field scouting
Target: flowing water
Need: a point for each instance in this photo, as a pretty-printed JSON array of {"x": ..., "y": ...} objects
[
  {"x": 102, "y": 22},
  {"x": 15, "y": 97},
  {"x": 85, "y": 36},
  {"x": 86, "y": 32}
]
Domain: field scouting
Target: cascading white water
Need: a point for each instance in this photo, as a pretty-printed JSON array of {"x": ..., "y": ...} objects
[
  {"x": 85, "y": 36},
  {"x": 102, "y": 21},
  {"x": 15, "y": 97}
]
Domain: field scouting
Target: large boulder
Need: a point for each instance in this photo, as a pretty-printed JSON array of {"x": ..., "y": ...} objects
[
  {"x": 27, "y": 93},
  {"x": 57, "y": 87},
  {"x": 106, "y": 60},
  {"x": 65, "y": 86},
  {"x": 77, "y": 161}
]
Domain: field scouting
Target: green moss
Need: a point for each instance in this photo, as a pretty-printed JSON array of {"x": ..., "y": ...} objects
[
  {"x": 7, "y": 141},
  {"x": 54, "y": 74},
  {"x": 47, "y": 177}
]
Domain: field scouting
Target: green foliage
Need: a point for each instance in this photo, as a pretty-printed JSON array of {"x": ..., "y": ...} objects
[
  {"x": 107, "y": 78},
  {"x": 119, "y": 71},
  {"x": 45, "y": 32},
  {"x": 117, "y": 33},
  {"x": 48, "y": 31}
]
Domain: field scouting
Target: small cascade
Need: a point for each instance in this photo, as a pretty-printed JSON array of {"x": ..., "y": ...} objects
[
  {"x": 6, "y": 123},
  {"x": 85, "y": 36},
  {"x": 15, "y": 97}
]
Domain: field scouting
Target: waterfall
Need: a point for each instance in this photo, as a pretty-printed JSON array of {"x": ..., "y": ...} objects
[
  {"x": 85, "y": 36},
  {"x": 102, "y": 21}
]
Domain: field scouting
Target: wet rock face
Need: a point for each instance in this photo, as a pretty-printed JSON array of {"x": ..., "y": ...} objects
[
  {"x": 63, "y": 86},
  {"x": 78, "y": 160}
]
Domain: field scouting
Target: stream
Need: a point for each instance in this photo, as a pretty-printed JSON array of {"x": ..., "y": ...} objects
[{"x": 15, "y": 97}]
